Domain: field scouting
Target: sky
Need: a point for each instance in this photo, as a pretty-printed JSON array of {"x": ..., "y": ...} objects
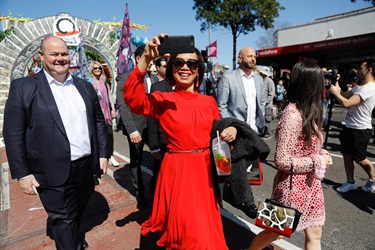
[{"x": 177, "y": 17}]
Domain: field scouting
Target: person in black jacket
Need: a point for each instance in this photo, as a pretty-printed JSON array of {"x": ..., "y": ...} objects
[
  {"x": 156, "y": 139},
  {"x": 247, "y": 148},
  {"x": 56, "y": 140},
  {"x": 134, "y": 127}
]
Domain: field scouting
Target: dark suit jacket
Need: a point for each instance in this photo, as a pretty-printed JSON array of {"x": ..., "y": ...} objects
[
  {"x": 156, "y": 138},
  {"x": 154, "y": 79},
  {"x": 34, "y": 134},
  {"x": 132, "y": 122}
]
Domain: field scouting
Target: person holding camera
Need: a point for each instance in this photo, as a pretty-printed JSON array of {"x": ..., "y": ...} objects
[
  {"x": 357, "y": 132},
  {"x": 185, "y": 210}
]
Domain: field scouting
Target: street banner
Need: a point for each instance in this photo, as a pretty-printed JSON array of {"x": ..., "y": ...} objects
[
  {"x": 124, "y": 61},
  {"x": 212, "y": 49}
]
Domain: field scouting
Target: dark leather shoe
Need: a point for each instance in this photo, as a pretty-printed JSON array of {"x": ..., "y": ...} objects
[{"x": 249, "y": 210}]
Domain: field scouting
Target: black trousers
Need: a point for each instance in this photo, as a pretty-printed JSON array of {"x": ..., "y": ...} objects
[
  {"x": 136, "y": 157},
  {"x": 241, "y": 190},
  {"x": 65, "y": 205},
  {"x": 110, "y": 139}
]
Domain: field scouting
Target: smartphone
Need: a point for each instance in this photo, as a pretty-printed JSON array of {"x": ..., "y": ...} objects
[{"x": 176, "y": 45}]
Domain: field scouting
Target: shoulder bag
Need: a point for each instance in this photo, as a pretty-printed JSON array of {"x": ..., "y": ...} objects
[{"x": 276, "y": 217}]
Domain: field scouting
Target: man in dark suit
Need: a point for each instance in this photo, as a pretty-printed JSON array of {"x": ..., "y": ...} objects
[
  {"x": 157, "y": 142},
  {"x": 240, "y": 94},
  {"x": 161, "y": 66},
  {"x": 56, "y": 140},
  {"x": 135, "y": 130}
]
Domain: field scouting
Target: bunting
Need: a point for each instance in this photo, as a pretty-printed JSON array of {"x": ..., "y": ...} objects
[
  {"x": 212, "y": 49},
  {"x": 84, "y": 70},
  {"x": 124, "y": 62}
]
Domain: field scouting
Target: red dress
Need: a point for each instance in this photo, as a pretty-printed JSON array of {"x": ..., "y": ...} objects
[{"x": 184, "y": 210}]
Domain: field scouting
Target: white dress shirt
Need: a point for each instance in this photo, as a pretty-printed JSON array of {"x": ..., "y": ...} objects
[
  {"x": 251, "y": 98},
  {"x": 72, "y": 110}
]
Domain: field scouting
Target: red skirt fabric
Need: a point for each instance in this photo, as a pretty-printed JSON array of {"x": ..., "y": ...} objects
[{"x": 185, "y": 211}]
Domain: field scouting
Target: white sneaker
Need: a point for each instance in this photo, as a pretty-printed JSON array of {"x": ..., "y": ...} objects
[
  {"x": 369, "y": 187},
  {"x": 346, "y": 186},
  {"x": 113, "y": 162}
]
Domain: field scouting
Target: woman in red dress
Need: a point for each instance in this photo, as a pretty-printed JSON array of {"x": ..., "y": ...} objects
[{"x": 185, "y": 211}]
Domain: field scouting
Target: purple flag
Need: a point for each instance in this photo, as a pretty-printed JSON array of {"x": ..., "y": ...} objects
[{"x": 124, "y": 53}]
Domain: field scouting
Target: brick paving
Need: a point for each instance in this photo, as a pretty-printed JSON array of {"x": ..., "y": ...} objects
[{"x": 112, "y": 219}]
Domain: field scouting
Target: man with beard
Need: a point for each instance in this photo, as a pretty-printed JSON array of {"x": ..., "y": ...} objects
[
  {"x": 356, "y": 134},
  {"x": 240, "y": 94}
]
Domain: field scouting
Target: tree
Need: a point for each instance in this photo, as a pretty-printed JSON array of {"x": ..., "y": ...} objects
[
  {"x": 268, "y": 40},
  {"x": 238, "y": 16},
  {"x": 373, "y": 1}
]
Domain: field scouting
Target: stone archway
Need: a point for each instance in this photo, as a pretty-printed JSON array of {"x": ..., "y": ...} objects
[{"x": 17, "y": 49}]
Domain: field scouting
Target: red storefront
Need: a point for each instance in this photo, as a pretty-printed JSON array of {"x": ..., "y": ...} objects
[{"x": 338, "y": 53}]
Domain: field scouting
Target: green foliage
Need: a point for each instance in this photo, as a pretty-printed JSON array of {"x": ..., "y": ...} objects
[
  {"x": 93, "y": 56},
  {"x": 5, "y": 33},
  {"x": 238, "y": 16},
  {"x": 112, "y": 37}
]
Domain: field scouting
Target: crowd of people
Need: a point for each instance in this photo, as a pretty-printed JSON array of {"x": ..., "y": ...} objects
[{"x": 54, "y": 116}]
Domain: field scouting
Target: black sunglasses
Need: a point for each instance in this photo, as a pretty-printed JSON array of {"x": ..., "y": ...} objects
[
  {"x": 178, "y": 63},
  {"x": 97, "y": 68}
]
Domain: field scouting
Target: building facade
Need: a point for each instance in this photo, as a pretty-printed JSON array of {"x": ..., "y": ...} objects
[{"x": 334, "y": 42}]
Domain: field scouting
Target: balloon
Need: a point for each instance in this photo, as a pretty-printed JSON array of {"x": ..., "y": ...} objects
[{"x": 136, "y": 40}]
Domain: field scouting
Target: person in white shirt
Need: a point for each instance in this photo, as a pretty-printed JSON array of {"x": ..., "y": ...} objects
[
  {"x": 56, "y": 140},
  {"x": 240, "y": 94},
  {"x": 356, "y": 135}
]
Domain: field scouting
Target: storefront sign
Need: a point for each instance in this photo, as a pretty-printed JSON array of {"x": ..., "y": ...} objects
[{"x": 329, "y": 44}]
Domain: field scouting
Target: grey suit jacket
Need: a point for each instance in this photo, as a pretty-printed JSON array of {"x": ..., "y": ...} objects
[
  {"x": 132, "y": 122},
  {"x": 231, "y": 98}
]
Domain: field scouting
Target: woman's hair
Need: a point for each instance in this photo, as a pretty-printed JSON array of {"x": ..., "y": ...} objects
[
  {"x": 95, "y": 63},
  {"x": 306, "y": 90},
  {"x": 201, "y": 69}
]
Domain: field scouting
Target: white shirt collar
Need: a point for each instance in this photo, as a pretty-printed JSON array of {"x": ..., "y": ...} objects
[
  {"x": 50, "y": 79},
  {"x": 244, "y": 75}
]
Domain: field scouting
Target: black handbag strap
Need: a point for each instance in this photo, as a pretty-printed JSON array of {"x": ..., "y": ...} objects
[
  {"x": 290, "y": 183},
  {"x": 291, "y": 177}
]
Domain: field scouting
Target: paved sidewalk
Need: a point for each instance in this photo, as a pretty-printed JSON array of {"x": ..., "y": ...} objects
[{"x": 112, "y": 220}]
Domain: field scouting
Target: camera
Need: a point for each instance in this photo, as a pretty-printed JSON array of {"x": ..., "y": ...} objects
[{"x": 331, "y": 75}]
